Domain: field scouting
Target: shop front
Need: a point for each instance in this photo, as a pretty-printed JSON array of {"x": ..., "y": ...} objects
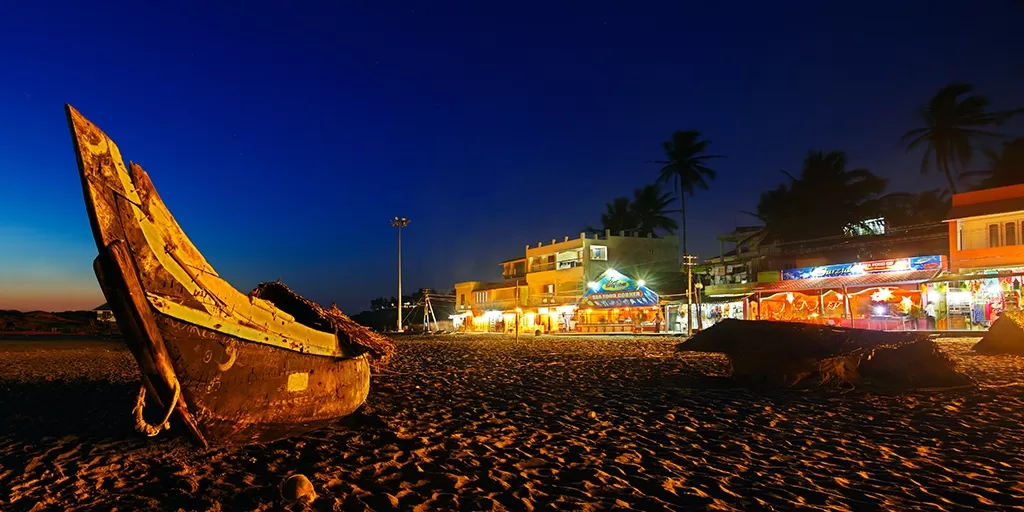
[
  {"x": 884, "y": 295},
  {"x": 973, "y": 300},
  {"x": 617, "y": 303},
  {"x": 712, "y": 310}
]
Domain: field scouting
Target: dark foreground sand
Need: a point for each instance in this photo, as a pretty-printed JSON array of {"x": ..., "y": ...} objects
[{"x": 486, "y": 423}]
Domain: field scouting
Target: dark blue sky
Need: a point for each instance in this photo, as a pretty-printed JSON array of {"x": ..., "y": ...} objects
[{"x": 284, "y": 135}]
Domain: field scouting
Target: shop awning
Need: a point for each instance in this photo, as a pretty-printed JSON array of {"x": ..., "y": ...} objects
[{"x": 832, "y": 283}]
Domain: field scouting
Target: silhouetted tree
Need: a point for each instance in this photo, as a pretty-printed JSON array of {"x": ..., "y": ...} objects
[
  {"x": 651, "y": 209},
  {"x": 954, "y": 121},
  {"x": 686, "y": 168},
  {"x": 1003, "y": 168},
  {"x": 906, "y": 209},
  {"x": 618, "y": 216},
  {"x": 824, "y": 200}
]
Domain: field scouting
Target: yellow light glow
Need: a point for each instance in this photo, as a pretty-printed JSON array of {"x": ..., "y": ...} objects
[
  {"x": 789, "y": 297},
  {"x": 593, "y": 286},
  {"x": 882, "y": 295},
  {"x": 641, "y": 283}
]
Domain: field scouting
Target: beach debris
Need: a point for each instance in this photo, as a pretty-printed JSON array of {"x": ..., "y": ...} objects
[
  {"x": 307, "y": 312},
  {"x": 792, "y": 354},
  {"x": 298, "y": 488},
  {"x": 1006, "y": 336}
]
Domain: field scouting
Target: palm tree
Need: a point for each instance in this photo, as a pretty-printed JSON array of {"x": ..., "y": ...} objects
[
  {"x": 1006, "y": 168},
  {"x": 952, "y": 126},
  {"x": 686, "y": 168},
  {"x": 650, "y": 209},
  {"x": 823, "y": 201},
  {"x": 618, "y": 216}
]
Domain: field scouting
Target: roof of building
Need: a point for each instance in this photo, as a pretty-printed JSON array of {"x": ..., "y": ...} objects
[
  {"x": 832, "y": 283},
  {"x": 518, "y": 258},
  {"x": 1008, "y": 205},
  {"x": 102, "y": 307}
]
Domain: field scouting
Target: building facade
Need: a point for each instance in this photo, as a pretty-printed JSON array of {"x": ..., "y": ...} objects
[
  {"x": 986, "y": 259},
  {"x": 541, "y": 291}
]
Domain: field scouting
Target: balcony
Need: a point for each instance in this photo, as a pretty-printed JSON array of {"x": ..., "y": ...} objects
[{"x": 561, "y": 265}]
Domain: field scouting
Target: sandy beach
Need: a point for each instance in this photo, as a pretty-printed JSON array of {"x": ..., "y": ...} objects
[{"x": 487, "y": 423}]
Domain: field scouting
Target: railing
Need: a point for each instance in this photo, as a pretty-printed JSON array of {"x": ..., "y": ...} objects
[{"x": 561, "y": 265}]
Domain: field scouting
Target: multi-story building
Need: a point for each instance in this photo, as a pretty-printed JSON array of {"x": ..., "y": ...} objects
[
  {"x": 986, "y": 259},
  {"x": 547, "y": 283}
]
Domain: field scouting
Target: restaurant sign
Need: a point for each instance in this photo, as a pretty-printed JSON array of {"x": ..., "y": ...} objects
[
  {"x": 614, "y": 290},
  {"x": 867, "y": 267}
]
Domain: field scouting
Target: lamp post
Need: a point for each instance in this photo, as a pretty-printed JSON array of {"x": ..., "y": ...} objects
[{"x": 399, "y": 222}]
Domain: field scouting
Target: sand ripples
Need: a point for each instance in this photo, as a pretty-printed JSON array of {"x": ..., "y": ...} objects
[{"x": 546, "y": 423}]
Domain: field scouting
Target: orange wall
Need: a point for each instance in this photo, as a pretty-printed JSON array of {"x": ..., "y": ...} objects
[
  {"x": 990, "y": 256},
  {"x": 988, "y": 195}
]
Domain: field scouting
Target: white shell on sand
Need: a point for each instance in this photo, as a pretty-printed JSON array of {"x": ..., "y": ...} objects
[{"x": 298, "y": 488}]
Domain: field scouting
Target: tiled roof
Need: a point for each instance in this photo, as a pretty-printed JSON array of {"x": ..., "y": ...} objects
[{"x": 829, "y": 283}]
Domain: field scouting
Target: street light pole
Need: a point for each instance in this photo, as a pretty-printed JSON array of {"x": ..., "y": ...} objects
[{"x": 399, "y": 222}]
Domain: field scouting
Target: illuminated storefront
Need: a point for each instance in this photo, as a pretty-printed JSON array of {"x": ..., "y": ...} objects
[
  {"x": 884, "y": 294},
  {"x": 973, "y": 301},
  {"x": 617, "y": 303}
]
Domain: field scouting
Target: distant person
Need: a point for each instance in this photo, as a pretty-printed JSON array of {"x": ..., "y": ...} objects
[{"x": 929, "y": 311}]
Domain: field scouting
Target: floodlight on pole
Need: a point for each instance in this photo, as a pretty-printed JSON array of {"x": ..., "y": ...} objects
[{"x": 399, "y": 222}]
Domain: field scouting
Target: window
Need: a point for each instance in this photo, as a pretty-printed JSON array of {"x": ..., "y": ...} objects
[
  {"x": 462, "y": 299},
  {"x": 1011, "y": 234},
  {"x": 993, "y": 235},
  {"x": 599, "y": 252},
  {"x": 481, "y": 297},
  {"x": 549, "y": 288}
]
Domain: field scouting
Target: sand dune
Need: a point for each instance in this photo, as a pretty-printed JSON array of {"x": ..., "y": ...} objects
[{"x": 486, "y": 423}]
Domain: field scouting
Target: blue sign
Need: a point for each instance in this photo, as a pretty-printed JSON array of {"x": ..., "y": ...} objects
[
  {"x": 867, "y": 267},
  {"x": 615, "y": 290}
]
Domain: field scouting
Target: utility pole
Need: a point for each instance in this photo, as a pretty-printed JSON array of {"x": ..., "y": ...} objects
[
  {"x": 688, "y": 261},
  {"x": 518, "y": 309},
  {"x": 399, "y": 222}
]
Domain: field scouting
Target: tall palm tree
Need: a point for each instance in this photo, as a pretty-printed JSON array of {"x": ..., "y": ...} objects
[
  {"x": 686, "y": 168},
  {"x": 1004, "y": 168},
  {"x": 823, "y": 201},
  {"x": 954, "y": 121},
  {"x": 651, "y": 209}
]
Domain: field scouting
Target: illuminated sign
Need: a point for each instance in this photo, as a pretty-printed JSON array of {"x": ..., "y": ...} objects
[
  {"x": 615, "y": 290},
  {"x": 867, "y": 267}
]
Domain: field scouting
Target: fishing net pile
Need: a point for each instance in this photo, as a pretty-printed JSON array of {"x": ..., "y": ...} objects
[
  {"x": 1006, "y": 336},
  {"x": 805, "y": 355},
  {"x": 352, "y": 335}
]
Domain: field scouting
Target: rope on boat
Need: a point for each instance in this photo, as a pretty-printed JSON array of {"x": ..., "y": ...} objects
[{"x": 140, "y": 404}]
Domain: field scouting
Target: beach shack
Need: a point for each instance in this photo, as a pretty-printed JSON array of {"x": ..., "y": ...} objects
[{"x": 619, "y": 303}]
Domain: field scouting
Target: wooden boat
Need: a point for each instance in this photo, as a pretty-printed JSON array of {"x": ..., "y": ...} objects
[{"x": 233, "y": 368}]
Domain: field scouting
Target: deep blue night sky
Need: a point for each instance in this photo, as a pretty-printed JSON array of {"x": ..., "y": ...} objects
[{"x": 283, "y": 136}]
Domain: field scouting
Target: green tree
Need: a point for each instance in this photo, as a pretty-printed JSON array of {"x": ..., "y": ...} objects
[
  {"x": 686, "y": 168},
  {"x": 955, "y": 120},
  {"x": 1003, "y": 168}
]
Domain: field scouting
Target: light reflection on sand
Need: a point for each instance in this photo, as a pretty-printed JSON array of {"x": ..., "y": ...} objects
[{"x": 554, "y": 423}]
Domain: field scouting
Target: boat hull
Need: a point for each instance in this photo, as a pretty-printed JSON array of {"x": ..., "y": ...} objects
[
  {"x": 235, "y": 368},
  {"x": 241, "y": 392}
]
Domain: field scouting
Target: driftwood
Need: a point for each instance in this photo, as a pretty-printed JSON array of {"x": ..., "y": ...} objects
[
  {"x": 357, "y": 337},
  {"x": 1006, "y": 336},
  {"x": 803, "y": 355}
]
